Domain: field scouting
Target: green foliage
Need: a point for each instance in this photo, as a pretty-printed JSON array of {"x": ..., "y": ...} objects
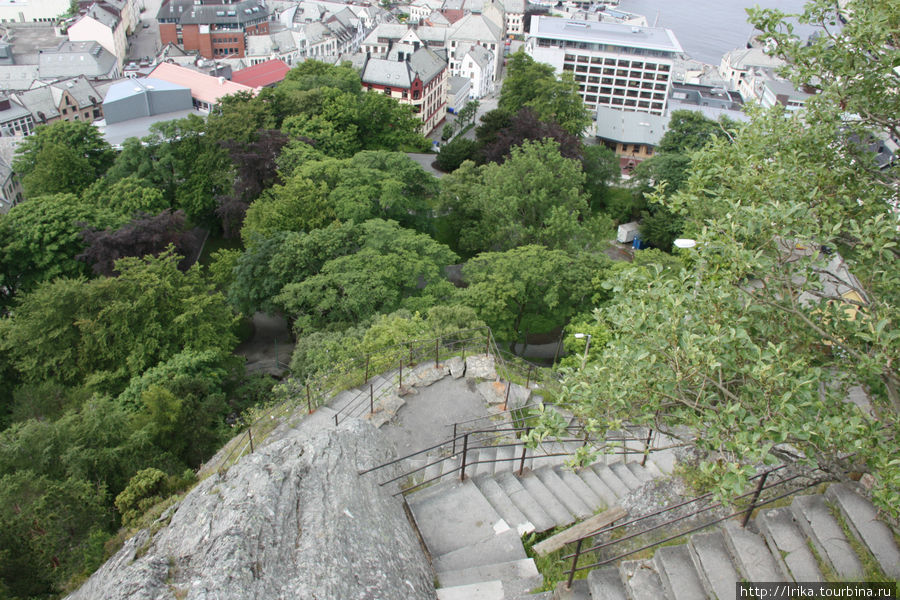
[
  {"x": 508, "y": 288},
  {"x": 601, "y": 169},
  {"x": 533, "y": 84},
  {"x": 143, "y": 491},
  {"x": 103, "y": 332},
  {"x": 40, "y": 239},
  {"x": 64, "y": 157},
  {"x": 454, "y": 153},
  {"x": 127, "y": 196}
]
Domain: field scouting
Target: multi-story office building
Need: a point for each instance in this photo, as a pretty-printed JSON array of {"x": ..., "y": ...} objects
[
  {"x": 214, "y": 28},
  {"x": 620, "y": 66}
]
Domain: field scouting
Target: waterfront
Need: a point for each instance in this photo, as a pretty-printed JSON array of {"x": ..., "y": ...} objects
[{"x": 707, "y": 28}]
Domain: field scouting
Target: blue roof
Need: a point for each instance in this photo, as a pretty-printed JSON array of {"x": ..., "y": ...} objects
[{"x": 133, "y": 87}]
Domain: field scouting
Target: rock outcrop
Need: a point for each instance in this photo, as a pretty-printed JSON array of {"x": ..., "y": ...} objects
[{"x": 292, "y": 520}]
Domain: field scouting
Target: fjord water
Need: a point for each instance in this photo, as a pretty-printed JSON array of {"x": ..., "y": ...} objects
[{"x": 708, "y": 28}]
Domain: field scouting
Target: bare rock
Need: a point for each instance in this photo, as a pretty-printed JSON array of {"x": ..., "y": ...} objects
[
  {"x": 481, "y": 366},
  {"x": 292, "y": 520},
  {"x": 457, "y": 367}
]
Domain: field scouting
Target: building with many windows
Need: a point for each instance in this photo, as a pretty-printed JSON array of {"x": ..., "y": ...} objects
[
  {"x": 626, "y": 67},
  {"x": 215, "y": 29}
]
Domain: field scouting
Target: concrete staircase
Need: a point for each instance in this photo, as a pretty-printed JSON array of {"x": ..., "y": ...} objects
[
  {"x": 801, "y": 542},
  {"x": 473, "y": 528}
]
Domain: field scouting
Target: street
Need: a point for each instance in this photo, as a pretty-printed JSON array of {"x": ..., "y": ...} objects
[{"x": 145, "y": 42}]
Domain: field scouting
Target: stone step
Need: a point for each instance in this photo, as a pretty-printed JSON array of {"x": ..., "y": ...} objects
[
  {"x": 611, "y": 480},
  {"x": 583, "y": 490},
  {"x": 578, "y": 591},
  {"x": 862, "y": 520},
  {"x": 503, "y": 547},
  {"x": 640, "y": 472},
  {"x": 450, "y": 468},
  {"x": 529, "y": 507},
  {"x": 483, "y": 590},
  {"x": 505, "y": 507},
  {"x": 453, "y": 515},
  {"x": 568, "y": 497},
  {"x": 518, "y": 576},
  {"x": 652, "y": 469},
  {"x": 605, "y": 583},
  {"x": 788, "y": 544},
  {"x": 819, "y": 525},
  {"x": 627, "y": 477},
  {"x": 750, "y": 554},
  {"x": 343, "y": 399},
  {"x": 713, "y": 563},
  {"x": 433, "y": 471},
  {"x": 551, "y": 505},
  {"x": 602, "y": 491},
  {"x": 665, "y": 460},
  {"x": 641, "y": 580},
  {"x": 505, "y": 456},
  {"x": 677, "y": 573},
  {"x": 482, "y": 462}
]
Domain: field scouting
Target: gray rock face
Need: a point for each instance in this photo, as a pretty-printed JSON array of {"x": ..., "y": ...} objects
[{"x": 292, "y": 520}]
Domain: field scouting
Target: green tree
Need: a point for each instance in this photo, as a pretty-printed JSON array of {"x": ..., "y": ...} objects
[
  {"x": 533, "y": 84},
  {"x": 454, "y": 153},
  {"x": 40, "y": 239},
  {"x": 64, "y": 157},
  {"x": 530, "y": 289},
  {"x": 127, "y": 196}
]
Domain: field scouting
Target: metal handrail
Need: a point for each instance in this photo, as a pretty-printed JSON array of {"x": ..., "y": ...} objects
[{"x": 746, "y": 512}]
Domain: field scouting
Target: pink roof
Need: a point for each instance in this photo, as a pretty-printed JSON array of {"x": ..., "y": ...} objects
[
  {"x": 203, "y": 87},
  {"x": 263, "y": 74}
]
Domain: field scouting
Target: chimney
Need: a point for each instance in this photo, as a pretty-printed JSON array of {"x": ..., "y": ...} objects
[
  {"x": 4, "y": 102},
  {"x": 221, "y": 81}
]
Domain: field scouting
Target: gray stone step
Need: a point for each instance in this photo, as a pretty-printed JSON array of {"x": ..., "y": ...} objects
[
  {"x": 450, "y": 468},
  {"x": 433, "y": 471},
  {"x": 640, "y": 472},
  {"x": 627, "y": 477},
  {"x": 530, "y": 507},
  {"x": 665, "y": 460},
  {"x": 606, "y": 584},
  {"x": 523, "y": 569},
  {"x": 862, "y": 519},
  {"x": 652, "y": 469},
  {"x": 454, "y": 515},
  {"x": 584, "y": 491},
  {"x": 815, "y": 519},
  {"x": 641, "y": 580},
  {"x": 713, "y": 563},
  {"x": 611, "y": 480},
  {"x": 788, "y": 544},
  {"x": 568, "y": 497},
  {"x": 505, "y": 454},
  {"x": 483, "y": 590},
  {"x": 750, "y": 554},
  {"x": 345, "y": 398},
  {"x": 595, "y": 483},
  {"x": 483, "y": 461},
  {"x": 677, "y": 574},
  {"x": 551, "y": 505},
  {"x": 503, "y": 547},
  {"x": 505, "y": 507},
  {"x": 578, "y": 591}
]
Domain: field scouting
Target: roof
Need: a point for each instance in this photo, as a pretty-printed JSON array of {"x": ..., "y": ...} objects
[
  {"x": 15, "y": 111},
  {"x": 101, "y": 15},
  {"x": 476, "y": 28},
  {"x": 77, "y": 58},
  {"x": 263, "y": 74},
  {"x": 18, "y": 77},
  {"x": 437, "y": 19},
  {"x": 458, "y": 83},
  {"x": 630, "y": 127},
  {"x": 614, "y": 34},
  {"x": 481, "y": 55},
  {"x": 514, "y": 6},
  {"x": 137, "y": 86},
  {"x": 424, "y": 62},
  {"x": 746, "y": 58},
  {"x": 188, "y": 13},
  {"x": 203, "y": 87},
  {"x": 427, "y": 64},
  {"x": 46, "y": 99},
  {"x": 264, "y": 45}
]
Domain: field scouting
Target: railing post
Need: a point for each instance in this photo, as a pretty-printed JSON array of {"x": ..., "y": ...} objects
[
  {"x": 524, "y": 452},
  {"x": 411, "y": 361},
  {"x": 437, "y": 352},
  {"x": 487, "y": 345},
  {"x": 574, "y": 564},
  {"x": 250, "y": 433},
  {"x": 367, "y": 369},
  {"x": 506, "y": 400},
  {"x": 400, "y": 382},
  {"x": 647, "y": 447},
  {"x": 308, "y": 400},
  {"x": 371, "y": 400},
  {"x": 759, "y": 488},
  {"x": 462, "y": 469},
  {"x": 453, "y": 453},
  {"x": 528, "y": 377}
]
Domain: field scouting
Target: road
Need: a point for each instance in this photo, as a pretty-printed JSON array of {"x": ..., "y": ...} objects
[{"x": 145, "y": 42}]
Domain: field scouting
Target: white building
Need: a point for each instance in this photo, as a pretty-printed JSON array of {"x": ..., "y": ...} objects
[
  {"x": 31, "y": 11},
  {"x": 101, "y": 26},
  {"x": 739, "y": 67},
  {"x": 515, "y": 16},
  {"x": 620, "y": 66},
  {"x": 475, "y": 63},
  {"x": 420, "y": 9}
]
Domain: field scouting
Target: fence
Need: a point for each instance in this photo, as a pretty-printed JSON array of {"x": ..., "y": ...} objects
[{"x": 613, "y": 531}]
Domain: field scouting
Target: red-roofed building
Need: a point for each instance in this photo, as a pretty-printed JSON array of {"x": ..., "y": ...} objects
[
  {"x": 262, "y": 75},
  {"x": 205, "y": 90}
]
